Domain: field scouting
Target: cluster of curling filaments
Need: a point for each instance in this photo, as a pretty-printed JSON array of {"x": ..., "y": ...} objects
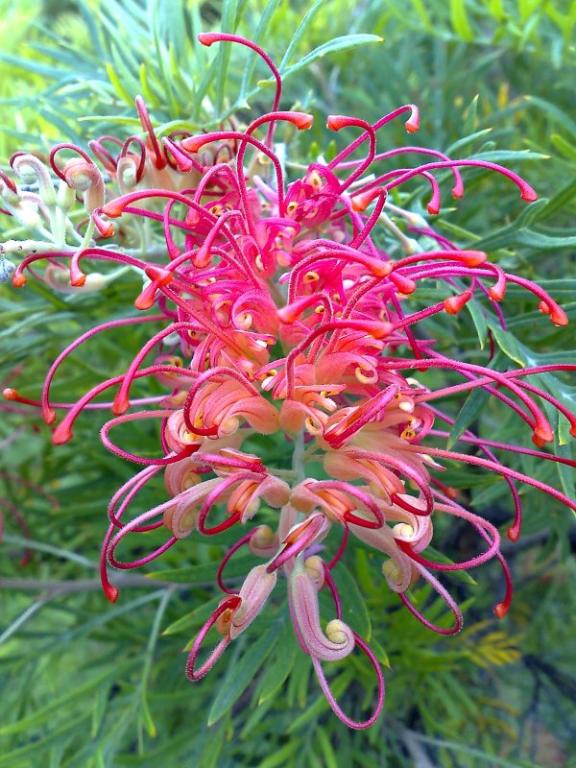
[{"x": 290, "y": 308}]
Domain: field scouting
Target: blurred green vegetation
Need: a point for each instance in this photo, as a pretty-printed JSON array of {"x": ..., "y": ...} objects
[{"x": 88, "y": 685}]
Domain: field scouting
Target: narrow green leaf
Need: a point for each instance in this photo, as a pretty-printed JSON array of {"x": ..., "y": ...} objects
[
  {"x": 194, "y": 618},
  {"x": 339, "y": 685},
  {"x": 542, "y": 241},
  {"x": 228, "y": 24},
  {"x": 565, "y": 147},
  {"x": 330, "y": 759},
  {"x": 355, "y": 611},
  {"x": 559, "y": 201},
  {"x": 553, "y": 111},
  {"x": 265, "y": 19},
  {"x": 199, "y": 574},
  {"x": 479, "y": 319},
  {"x": 213, "y": 745},
  {"x": 460, "y": 21},
  {"x": 240, "y": 675},
  {"x": 11, "y": 759},
  {"x": 496, "y": 8},
  {"x": 565, "y": 473},
  {"x": 280, "y": 756},
  {"x": 466, "y": 140},
  {"x": 15, "y": 625},
  {"x": 44, "y": 714},
  {"x": 343, "y": 43},
  {"x": 298, "y": 35},
  {"x": 117, "y": 83},
  {"x": 507, "y": 343},
  {"x": 420, "y": 8},
  {"x": 146, "y": 667},
  {"x": 473, "y": 405},
  {"x": 280, "y": 667}
]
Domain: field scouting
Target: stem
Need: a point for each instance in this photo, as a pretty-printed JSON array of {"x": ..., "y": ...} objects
[{"x": 298, "y": 466}]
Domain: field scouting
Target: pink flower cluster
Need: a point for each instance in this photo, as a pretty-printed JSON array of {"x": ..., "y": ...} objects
[{"x": 290, "y": 319}]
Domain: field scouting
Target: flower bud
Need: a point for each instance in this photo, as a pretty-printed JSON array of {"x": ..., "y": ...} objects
[
  {"x": 337, "y": 632},
  {"x": 315, "y": 569}
]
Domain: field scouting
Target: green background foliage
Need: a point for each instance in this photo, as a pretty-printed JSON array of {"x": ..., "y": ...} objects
[{"x": 89, "y": 685}]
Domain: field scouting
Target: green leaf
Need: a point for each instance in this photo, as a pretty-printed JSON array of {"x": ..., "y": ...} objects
[
  {"x": 342, "y": 43},
  {"x": 564, "y": 147},
  {"x": 146, "y": 667},
  {"x": 507, "y": 343},
  {"x": 213, "y": 745},
  {"x": 265, "y": 19},
  {"x": 280, "y": 756},
  {"x": 542, "y": 241},
  {"x": 330, "y": 759},
  {"x": 460, "y": 21},
  {"x": 117, "y": 83},
  {"x": 565, "y": 473},
  {"x": 15, "y": 625},
  {"x": 355, "y": 611},
  {"x": 553, "y": 111},
  {"x": 300, "y": 30},
  {"x": 466, "y": 140},
  {"x": 479, "y": 319},
  {"x": 201, "y": 574},
  {"x": 228, "y": 24},
  {"x": 339, "y": 685},
  {"x": 280, "y": 667},
  {"x": 241, "y": 674},
  {"x": 559, "y": 201},
  {"x": 420, "y": 8},
  {"x": 11, "y": 759},
  {"x": 194, "y": 618},
  {"x": 473, "y": 405},
  {"x": 44, "y": 714}
]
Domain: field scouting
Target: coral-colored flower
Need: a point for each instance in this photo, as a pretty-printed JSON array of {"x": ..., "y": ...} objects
[{"x": 288, "y": 317}]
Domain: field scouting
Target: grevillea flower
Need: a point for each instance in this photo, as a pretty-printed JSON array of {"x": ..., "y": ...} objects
[{"x": 278, "y": 310}]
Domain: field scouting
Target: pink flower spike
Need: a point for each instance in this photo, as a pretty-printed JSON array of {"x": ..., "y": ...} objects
[
  {"x": 292, "y": 329},
  {"x": 61, "y": 173},
  {"x": 145, "y": 461},
  {"x": 491, "y": 552},
  {"x": 182, "y": 513},
  {"x": 63, "y": 431}
]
